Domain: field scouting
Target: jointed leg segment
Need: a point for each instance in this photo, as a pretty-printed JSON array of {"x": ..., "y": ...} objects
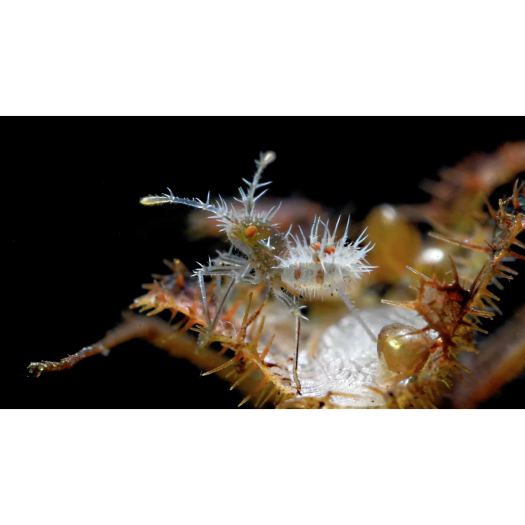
[{"x": 354, "y": 312}]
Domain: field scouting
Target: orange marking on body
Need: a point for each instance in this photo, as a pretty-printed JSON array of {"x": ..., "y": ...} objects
[
  {"x": 251, "y": 231},
  {"x": 329, "y": 249},
  {"x": 319, "y": 278},
  {"x": 316, "y": 246},
  {"x": 297, "y": 274}
]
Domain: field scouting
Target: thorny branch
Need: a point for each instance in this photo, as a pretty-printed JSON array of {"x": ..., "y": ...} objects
[{"x": 156, "y": 331}]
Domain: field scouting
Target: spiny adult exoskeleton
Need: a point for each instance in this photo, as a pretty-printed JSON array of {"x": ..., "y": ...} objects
[{"x": 289, "y": 264}]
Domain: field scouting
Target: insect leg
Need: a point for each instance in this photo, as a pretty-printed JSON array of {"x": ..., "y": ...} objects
[
  {"x": 218, "y": 287},
  {"x": 353, "y": 310},
  {"x": 202, "y": 288},
  {"x": 229, "y": 290},
  {"x": 230, "y": 259},
  {"x": 288, "y": 301},
  {"x": 296, "y": 355},
  {"x": 212, "y": 323}
]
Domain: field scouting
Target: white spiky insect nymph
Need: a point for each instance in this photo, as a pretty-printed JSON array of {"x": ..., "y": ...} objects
[
  {"x": 289, "y": 266},
  {"x": 328, "y": 263}
]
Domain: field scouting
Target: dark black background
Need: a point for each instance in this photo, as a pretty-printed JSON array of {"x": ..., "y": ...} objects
[{"x": 79, "y": 245}]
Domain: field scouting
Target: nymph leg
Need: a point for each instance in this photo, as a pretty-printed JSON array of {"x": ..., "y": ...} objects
[
  {"x": 288, "y": 301},
  {"x": 202, "y": 288},
  {"x": 203, "y": 339},
  {"x": 296, "y": 355},
  {"x": 353, "y": 310}
]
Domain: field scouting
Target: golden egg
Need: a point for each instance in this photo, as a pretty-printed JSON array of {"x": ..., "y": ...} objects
[
  {"x": 397, "y": 243},
  {"x": 402, "y": 350}
]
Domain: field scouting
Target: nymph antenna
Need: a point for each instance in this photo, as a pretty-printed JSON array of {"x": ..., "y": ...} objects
[
  {"x": 219, "y": 209},
  {"x": 248, "y": 198}
]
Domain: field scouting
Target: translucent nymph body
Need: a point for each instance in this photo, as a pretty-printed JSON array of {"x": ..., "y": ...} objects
[
  {"x": 326, "y": 264},
  {"x": 310, "y": 277}
]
